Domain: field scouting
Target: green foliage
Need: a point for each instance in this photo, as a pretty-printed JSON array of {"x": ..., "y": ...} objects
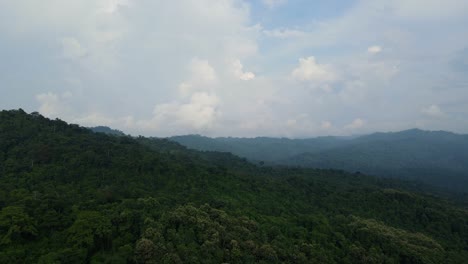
[
  {"x": 73, "y": 196},
  {"x": 16, "y": 225},
  {"x": 402, "y": 245},
  {"x": 107, "y": 130},
  {"x": 91, "y": 230}
]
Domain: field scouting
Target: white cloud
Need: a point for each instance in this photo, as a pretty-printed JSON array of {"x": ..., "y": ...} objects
[
  {"x": 433, "y": 111},
  {"x": 53, "y": 105},
  {"x": 94, "y": 119},
  {"x": 326, "y": 125},
  {"x": 309, "y": 70},
  {"x": 202, "y": 71},
  {"x": 185, "y": 88},
  {"x": 49, "y": 104},
  {"x": 202, "y": 77},
  {"x": 246, "y": 76},
  {"x": 291, "y": 122},
  {"x": 199, "y": 113},
  {"x": 123, "y": 58},
  {"x": 374, "y": 49},
  {"x": 356, "y": 124},
  {"x": 238, "y": 71}
]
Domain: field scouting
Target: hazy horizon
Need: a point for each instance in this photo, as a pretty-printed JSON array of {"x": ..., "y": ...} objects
[
  {"x": 276, "y": 68},
  {"x": 292, "y": 138}
]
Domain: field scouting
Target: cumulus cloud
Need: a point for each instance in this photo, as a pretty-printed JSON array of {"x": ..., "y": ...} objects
[
  {"x": 326, "y": 125},
  {"x": 374, "y": 49},
  {"x": 202, "y": 71},
  {"x": 433, "y": 111},
  {"x": 53, "y": 105},
  {"x": 309, "y": 70},
  {"x": 217, "y": 70},
  {"x": 202, "y": 77},
  {"x": 94, "y": 119},
  {"x": 356, "y": 124},
  {"x": 238, "y": 70},
  {"x": 199, "y": 113}
]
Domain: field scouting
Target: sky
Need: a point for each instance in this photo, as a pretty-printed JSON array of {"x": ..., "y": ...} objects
[{"x": 280, "y": 68}]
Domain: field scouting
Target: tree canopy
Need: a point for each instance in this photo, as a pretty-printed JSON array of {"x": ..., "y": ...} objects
[{"x": 69, "y": 195}]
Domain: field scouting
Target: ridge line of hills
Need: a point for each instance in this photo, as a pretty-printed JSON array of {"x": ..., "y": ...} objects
[
  {"x": 437, "y": 158},
  {"x": 405, "y": 131}
]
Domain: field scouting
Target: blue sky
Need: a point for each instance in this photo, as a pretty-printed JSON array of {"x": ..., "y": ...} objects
[
  {"x": 297, "y": 13},
  {"x": 291, "y": 68}
]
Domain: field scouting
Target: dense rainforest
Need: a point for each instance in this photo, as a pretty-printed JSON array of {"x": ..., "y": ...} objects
[
  {"x": 70, "y": 195},
  {"x": 437, "y": 158}
]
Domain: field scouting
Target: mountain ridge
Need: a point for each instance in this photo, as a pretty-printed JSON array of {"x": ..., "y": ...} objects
[{"x": 434, "y": 157}]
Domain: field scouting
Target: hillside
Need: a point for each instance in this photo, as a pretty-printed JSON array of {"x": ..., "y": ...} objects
[
  {"x": 69, "y": 195},
  {"x": 437, "y": 158},
  {"x": 107, "y": 130}
]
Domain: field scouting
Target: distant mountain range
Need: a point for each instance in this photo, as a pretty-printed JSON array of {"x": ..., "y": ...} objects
[
  {"x": 262, "y": 148},
  {"x": 438, "y": 158}
]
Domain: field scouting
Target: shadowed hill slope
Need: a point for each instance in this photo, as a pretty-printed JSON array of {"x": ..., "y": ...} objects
[
  {"x": 437, "y": 158},
  {"x": 433, "y": 157}
]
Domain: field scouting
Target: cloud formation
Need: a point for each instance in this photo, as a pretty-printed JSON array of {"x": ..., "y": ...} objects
[
  {"x": 236, "y": 67},
  {"x": 238, "y": 70},
  {"x": 356, "y": 124},
  {"x": 374, "y": 49},
  {"x": 53, "y": 105},
  {"x": 202, "y": 77},
  {"x": 310, "y": 70},
  {"x": 199, "y": 113}
]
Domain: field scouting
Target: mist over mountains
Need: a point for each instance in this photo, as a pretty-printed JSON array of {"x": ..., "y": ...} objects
[{"x": 434, "y": 157}]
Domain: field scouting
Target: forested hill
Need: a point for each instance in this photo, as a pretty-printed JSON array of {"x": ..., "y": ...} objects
[
  {"x": 438, "y": 158},
  {"x": 69, "y": 195},
  {"x": 107, "y": 130},
  {"x": 433, "y": 157}
]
